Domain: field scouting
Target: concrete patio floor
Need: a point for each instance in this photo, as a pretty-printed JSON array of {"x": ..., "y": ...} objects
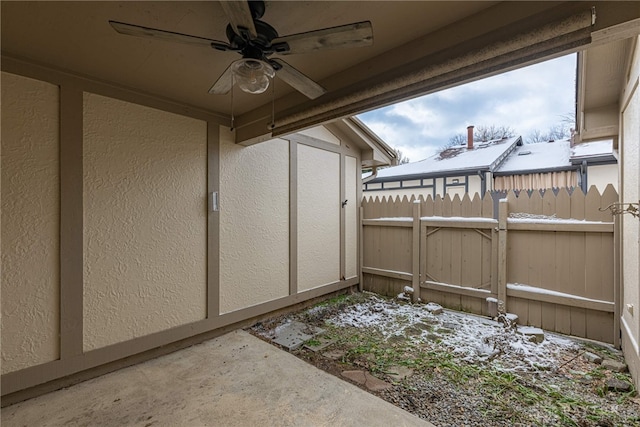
[{"x": 232, "y": 380}]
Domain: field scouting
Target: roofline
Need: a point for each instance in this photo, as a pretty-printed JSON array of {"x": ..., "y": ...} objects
[
  {"x": 530, "y": 171},
  {"x": 371, "y": 134},
  {"x": 458, "y": 172},
  {"x": 605, "y": 159}
]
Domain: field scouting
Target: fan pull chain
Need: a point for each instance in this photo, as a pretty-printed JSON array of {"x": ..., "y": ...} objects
[
  {"x": 273, "y": 104},
  {"x": 232, "y": 117}
]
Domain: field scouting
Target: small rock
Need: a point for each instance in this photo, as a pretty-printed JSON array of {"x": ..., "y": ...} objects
[
  {"x": 492, "y": 307},
  {"x": 512, "y": 317},
  {"x": 620, "y": 386},
  {"x": 366, "y": 379},
  {"x": 399, "y": 373},
  {"x": 334, "y": 354},
  {"x": 434, "y": 308},
  {"x": 592, "y": 357},
  {"x": 534, "y": 334},
  {"x": 614, "y": 365}
]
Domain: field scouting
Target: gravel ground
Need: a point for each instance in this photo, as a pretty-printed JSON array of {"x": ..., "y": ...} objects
[{"x": 463, "y": 370}]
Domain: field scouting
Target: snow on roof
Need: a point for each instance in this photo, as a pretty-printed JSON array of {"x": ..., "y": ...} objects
[
  {"x": 592, "y": 149},
  {"x": 538, "y": 156},
  {"x": 455, "y": 159}
]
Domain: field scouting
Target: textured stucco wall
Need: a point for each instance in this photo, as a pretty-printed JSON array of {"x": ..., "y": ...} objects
[
  {"x": 318, "y": 217},
  {"x": 30, "y": 222},
  {"x": 145, "y": 188},
  {"x": 254, "y": 222},
  {"x": 351, "y": 217},
  {"x": 602, "y": 175},
  {"x": 322, "y": 133},
  {"x": 630, "y": 158}
]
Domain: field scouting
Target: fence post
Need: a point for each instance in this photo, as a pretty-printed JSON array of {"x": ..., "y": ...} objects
[
  {"x": 415, "y": 240},
  {"x": 617, "y": 289},
  {"x": 361, "y": 250},
  {"x": 503, "y": 213}
]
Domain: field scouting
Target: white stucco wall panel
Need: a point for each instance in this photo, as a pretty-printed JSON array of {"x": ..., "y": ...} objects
[
  {"x": 30, "y": 210},
  {"x": 602, "y": 175},
  {"x": 321, "y": 133},
  {"x": 318, "y": 217},
  {"x": 145, "y": 188},
  {"x": 351, "y": 217},
  {"x": 254, "y": 222}
]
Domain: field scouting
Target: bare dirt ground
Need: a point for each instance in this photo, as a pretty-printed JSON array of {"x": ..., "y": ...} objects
[{"x": 455, "y": 369}]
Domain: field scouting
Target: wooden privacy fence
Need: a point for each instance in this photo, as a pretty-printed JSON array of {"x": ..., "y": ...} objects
[{"x": 548, "y": 256}]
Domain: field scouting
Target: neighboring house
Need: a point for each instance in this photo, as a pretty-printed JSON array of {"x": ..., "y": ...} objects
[
  {"x": 556, "y": 164},
  {"x": 139, "y": 225},
  {"x": 609, "y": 108},
  {"x": 465, "y": 169}
]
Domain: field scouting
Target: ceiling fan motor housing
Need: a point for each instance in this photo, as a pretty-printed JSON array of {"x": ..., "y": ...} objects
[{"x": 262, "y": 43}]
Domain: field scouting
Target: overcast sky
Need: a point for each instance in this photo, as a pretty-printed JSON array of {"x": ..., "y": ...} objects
[{"x": 534, "y": 97}]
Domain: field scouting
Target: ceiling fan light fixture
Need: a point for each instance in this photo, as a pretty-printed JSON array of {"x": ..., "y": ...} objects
[{"x": 252, "y": 75}]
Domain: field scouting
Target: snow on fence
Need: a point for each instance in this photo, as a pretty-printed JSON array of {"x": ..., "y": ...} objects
[{"x": 549, "y": 256}]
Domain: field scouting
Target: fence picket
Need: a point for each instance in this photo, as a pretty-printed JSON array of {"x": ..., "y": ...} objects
[
  {"x": 548, "y": 203},
  {"x": 487, "y": 206},
  {"x": 577, "y": 204},
  {"x": 437, "y": 206}
]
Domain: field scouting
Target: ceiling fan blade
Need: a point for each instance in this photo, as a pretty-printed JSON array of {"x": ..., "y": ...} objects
[
  {"x": 297, "y": 80},
  {"x": 140, "y": 31},
  {"x": 350, "y": 35},
  {"x": 224, "y": 83},
  {"x": 240, "y": 18}
]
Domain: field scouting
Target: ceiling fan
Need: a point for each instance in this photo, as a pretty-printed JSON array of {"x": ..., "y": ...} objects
[{"x": 257, "y": 41}]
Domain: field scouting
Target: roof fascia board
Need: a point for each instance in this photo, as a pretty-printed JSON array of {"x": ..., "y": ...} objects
[{"x": 445, "y": 174}]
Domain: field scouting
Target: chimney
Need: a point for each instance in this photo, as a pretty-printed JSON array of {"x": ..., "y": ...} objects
[{"x": 470, "y": 137}]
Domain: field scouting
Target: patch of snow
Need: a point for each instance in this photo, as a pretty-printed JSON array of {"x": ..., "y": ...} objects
[
  {"x": 432, "y": 306},
  {"x": 471, "y": 338},
  {"x": 491, "y": 299},
  {"x": 403, "y": 296},
  {"x": 482, "y": 156},
  {"x": 459, "y": 219},
  {"x": 542, "y": 156},
  {"x": 393, "y": 218},
  {"x": 552, "y": 221},
  {"x": 408, "y": 289},
  {"x": 535, "y": 290},
  {"x": 447, "y": 285},
  {"x": 593, "y": 148},
  {"x": 523, "y": 215}
]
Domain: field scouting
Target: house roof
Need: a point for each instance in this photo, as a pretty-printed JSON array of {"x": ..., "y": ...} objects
[
  {"x": 485, "y": 156},
  {"x": 555, "y": 156},
  {"x": 542, "y": 156},
  {"x": 594, "y": 152}
]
